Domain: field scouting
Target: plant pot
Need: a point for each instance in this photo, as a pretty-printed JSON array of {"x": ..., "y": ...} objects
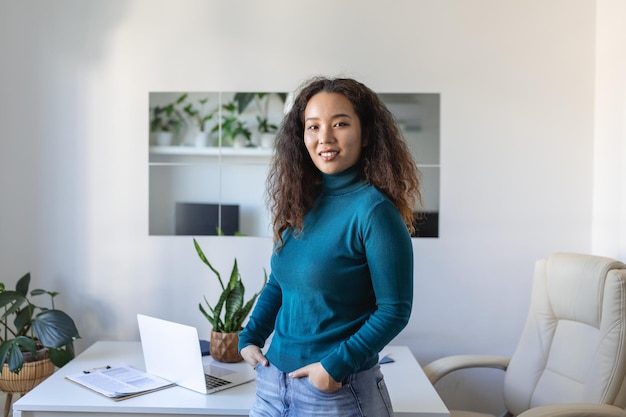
[
  {"x": 163, "y": 138},
  {"x": 193, "y": 136},
  {"x": 267, "y": 140},
  {"x": 240, "y": 141},
  {"x": 223, "y": 347},
  {"x": 28, "y": 378},
  {"x": 201, "y": 139}
]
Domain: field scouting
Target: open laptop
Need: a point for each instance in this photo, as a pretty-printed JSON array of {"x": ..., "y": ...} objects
[{"x": 172, "y": 351}]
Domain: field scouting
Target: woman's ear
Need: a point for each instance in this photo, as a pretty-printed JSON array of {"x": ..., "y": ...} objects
[{"x": 365, "y": 138}]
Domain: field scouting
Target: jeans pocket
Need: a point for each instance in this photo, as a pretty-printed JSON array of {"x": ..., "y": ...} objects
[
  {"x": 384, "y": 393},
  {"x": 321, "y": 392}
]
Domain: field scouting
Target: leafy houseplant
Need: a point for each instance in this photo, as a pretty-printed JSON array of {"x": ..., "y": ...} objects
[
  {"x": 166, "y": 121},
  {"x": 199, "y": 115},
  {"x": 26, "y": 327},
  {"x": 231, "y": 126},
  {"x": 261, "y": 102},
  {"x": 266, "y": 130},
  {"x": 167, "y": 118},
  {"x": 230, "y": 311}
]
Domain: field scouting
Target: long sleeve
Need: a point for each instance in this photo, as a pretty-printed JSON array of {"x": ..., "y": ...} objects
[
  {"x": 389, "y": 254},
  {"x": 261, "y": 322}
]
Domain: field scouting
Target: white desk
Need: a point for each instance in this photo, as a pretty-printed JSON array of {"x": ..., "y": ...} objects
[{"x": 411, "y": 393}]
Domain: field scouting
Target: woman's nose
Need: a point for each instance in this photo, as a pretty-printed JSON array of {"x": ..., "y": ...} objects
[{"x": 325, "y": 135}]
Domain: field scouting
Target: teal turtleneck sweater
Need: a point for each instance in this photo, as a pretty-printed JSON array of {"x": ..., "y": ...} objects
[{"x": 340, "y": 290}]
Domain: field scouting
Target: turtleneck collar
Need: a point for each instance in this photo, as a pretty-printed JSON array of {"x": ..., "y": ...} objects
[{"x": 342, "y": 182}]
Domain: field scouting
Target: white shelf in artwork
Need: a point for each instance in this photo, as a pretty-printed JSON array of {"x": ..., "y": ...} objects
[
  {"x": 191, "y": 154},
  {"x": 174, "y": 155}
]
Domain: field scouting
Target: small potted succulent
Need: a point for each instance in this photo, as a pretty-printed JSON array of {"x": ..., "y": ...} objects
[{"x": 228, "y": 314}]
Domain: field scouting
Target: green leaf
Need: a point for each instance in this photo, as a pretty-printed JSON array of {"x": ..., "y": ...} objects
[
  {"x": 245, "y": 310},
  {"x": 206, "y": 261},
  {"x": 54, "y": 328},
  {"x": 243, "y": 100},
  {"x": 234, "y": 276},
  {"x": 4, "y": 348},
  {"x": 60, "y": 357},
  {"x": 248, "y": 307},
  {"x": 217, "y": 310},
  {"x": 182, "y": 98},
  {"x": 12, "y": 301},
  {"x": 22, "y": 284},
  {"x": 234, "y": 303},
  {"x": 15, "y": 361},
  {"x": 208, "y": 316},
  {"x": 11, "y": 352},
  {"x": 230, "y": 107},
  {"x": 190, "y": 110},
  {"x": 23, "y": 319}
]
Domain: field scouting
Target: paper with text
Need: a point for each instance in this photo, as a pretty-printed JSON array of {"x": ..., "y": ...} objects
[{"x": 120, "y": 381}]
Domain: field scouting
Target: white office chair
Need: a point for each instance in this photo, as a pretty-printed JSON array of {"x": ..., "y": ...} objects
[{"x": 571, "y": 358}]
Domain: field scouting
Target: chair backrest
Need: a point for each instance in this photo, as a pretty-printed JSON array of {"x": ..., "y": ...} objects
[{"x": 573, "y": 347}]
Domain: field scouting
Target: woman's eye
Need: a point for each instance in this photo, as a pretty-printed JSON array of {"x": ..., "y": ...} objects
[
  {"x": 311, "y": 127},
  {"x": 341, "y": 124}
]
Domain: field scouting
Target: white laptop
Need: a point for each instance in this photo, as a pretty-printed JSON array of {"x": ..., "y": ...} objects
[{"x": 172, "y": 351}]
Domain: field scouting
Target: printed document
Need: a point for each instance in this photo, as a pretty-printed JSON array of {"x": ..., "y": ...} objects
[{"x": 120, "y": 381}]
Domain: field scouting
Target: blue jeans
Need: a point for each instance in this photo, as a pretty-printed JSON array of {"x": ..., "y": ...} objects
[{"x": 362, "y": 394}]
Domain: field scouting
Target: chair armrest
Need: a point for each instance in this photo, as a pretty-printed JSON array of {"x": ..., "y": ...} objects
[
  {"x": 443, "y": 366},
  {"x": 575, "y": 410}
]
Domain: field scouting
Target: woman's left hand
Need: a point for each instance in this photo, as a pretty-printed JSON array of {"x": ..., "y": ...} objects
[{"x": 318, "y": 377}]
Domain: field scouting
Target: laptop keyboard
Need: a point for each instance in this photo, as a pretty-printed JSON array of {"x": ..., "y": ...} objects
[{"x": 214, "y": 382}]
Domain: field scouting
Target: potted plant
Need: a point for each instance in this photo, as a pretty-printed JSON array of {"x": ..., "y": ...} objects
[
  {"x": 166, "y": 121},
  {"x": 266, "y": 130},
  {"x": 33, "y": 338},
  {"x": 228, "y": 314},
  {"x": 199, "y": 116},
  {"x": 231, "y": 130}
]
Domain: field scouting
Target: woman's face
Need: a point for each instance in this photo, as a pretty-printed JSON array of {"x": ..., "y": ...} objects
[{"x": 332, "y": 132}]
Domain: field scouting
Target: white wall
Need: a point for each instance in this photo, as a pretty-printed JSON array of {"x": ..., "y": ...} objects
[
  {"x": 609, "y": 214},
  {"x": 517, "y": 98}
]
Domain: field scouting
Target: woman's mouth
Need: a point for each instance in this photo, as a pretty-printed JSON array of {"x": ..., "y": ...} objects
[{"x": 328, "y": 155}]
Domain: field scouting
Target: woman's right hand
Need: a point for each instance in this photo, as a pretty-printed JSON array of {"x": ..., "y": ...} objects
[{"x": 253, "y": 355}]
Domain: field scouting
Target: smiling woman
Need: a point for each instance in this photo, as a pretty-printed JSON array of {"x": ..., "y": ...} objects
[
  {"x": 211, "y": 181},
  {"x": 332, "y": 132}
]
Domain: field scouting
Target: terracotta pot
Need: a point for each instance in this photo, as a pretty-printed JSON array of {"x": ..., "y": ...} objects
[{"x": 224, "y": 347}]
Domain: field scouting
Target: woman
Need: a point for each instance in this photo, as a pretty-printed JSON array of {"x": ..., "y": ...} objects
[{"x": 342, "y": 189}]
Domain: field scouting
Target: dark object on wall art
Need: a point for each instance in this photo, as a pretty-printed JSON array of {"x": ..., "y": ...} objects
[
  {"x": 426, "y": 224},
  {"x": 200, "y": 219}
]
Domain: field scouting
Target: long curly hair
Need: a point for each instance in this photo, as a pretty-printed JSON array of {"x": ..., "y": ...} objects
[{"x": 294, "y": 183}]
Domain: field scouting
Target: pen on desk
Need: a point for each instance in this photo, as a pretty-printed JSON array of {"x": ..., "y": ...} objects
[{"x": 88, "y": 371}]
